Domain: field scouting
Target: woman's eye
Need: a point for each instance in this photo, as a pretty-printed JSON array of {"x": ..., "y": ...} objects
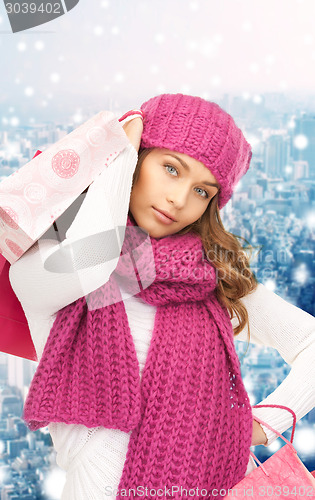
[
  {"x": 170, "y": 166},
  {"x": 206, "y": 193}
]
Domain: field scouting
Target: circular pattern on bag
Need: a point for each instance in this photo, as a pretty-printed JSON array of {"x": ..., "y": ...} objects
[
  {"x": 34, "y": 192},
  {"x": 96, "y": 136},
  {"x": 10, "y": 217},
  {"x": 14, "y": 247},
  {"x": 65, "y": 163}
]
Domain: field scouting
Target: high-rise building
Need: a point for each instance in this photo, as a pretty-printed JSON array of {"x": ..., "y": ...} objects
[
  {"x": 276, "y": 154},
  {"x": 3, "y": 368},
  {"x": 303, "y": 141},
  {"x": 300, "y": 170},
  {"x": 10, "y": 404}
]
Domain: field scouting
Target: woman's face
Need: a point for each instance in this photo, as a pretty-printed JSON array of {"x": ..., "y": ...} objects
[{"x": 170, "y": 182}]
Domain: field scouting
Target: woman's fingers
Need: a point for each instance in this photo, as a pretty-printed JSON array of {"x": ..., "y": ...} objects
[{"x": 133, "y": 129}]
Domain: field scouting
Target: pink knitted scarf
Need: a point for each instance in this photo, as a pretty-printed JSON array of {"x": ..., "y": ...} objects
[{"x": 190, "y": 415}]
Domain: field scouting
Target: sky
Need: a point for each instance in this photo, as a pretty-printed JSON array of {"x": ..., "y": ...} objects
[{"x": 115, "y": 54}]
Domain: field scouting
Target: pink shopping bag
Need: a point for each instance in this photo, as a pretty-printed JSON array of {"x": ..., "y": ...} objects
[
  {"x": 34, "y": 196},
  {"x": 283, "y": 475}
]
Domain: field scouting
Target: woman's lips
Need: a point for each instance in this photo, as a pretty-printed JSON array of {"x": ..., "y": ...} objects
[{"x": 161, "y": 217}]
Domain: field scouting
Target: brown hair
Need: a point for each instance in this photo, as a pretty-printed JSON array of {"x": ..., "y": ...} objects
[{"x": 235, "y": 278}]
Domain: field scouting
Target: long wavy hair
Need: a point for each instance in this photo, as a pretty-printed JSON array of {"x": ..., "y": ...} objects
[{"x": 224, "y": 250}]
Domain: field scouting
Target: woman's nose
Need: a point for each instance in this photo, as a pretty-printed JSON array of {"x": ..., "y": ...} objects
[{"x": 178, "y": 197}]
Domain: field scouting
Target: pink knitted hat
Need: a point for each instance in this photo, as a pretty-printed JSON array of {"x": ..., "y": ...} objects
[{"x": 202, "y": 130}]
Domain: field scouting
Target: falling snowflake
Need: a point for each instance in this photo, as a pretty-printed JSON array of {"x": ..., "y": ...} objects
[
  {"x": 218, "y": 39},
  {"x": 98, "y": 30},
  {"x": 291, "y": 124},
  {"x": 310, "y": 220},
  {"x": 300, "y": 141},
  {"x": 301, "y": 274},
  {"x": 14, "y": 121},
  {"x": 154, "y": 69},
  {"x": 208, "y": 48},
  {"x": 105, "y": 4},
  {"x": 215, "y": 81},
  {"x": 159, "y": 38},
  {"x": 305, "y": 441},
  {"x": 115, "y": 30},
  {"x": 77, "y": 117},
  {"x": 29, "y": 91},
  {"x": 119, "y": 77},
  {"x": 39, "y": 45},
  {"x": 194, "y": 6},
  {"x": 192, "y": 45},
  {"x": 308, "y": 39},
  {"x": 254, "y": 67},
  {"x": 21, "y": 46},
  {"x": 11, "y": 109},
  {"x": 246, "y": 96},
  {"x": 283, "y": 85},
  {"x": 247, "y": 26},
  {"x": 55, "y": 77},
  {"x": 270, "y": 59},
  {"x": 190, "y": 64},
  {"x": 257, "y": 99},
  {"x": 270, "y": 285}
]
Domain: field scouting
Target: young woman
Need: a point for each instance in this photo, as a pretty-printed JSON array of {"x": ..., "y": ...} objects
[{"x": 138, "y": 378}]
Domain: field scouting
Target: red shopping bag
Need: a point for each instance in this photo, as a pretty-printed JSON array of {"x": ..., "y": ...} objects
[
  {"x": 15, "y": 337},
  {"x": 283, "y": 475}
]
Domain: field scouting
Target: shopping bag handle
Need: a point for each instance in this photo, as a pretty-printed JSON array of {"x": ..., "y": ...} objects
[
  {"x": 274, "y": 430},
  {"x": 271, "y": 428},
  {"x": 131, "y": 113}
]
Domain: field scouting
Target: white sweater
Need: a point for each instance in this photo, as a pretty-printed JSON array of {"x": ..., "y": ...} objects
[{"x": 94, "y": 458}]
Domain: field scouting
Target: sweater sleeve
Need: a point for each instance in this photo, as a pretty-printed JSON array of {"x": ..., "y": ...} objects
[
  {"x": 51, "y": 275},
  {"x": 291, "y": 331}
]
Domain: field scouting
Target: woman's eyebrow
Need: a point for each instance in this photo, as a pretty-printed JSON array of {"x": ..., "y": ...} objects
[{"x": 186, "y": 167}]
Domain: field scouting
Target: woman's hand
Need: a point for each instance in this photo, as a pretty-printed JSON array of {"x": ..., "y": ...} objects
[
  {"x": 133, "y": 129},
  {"x": 258, "y": 437}
]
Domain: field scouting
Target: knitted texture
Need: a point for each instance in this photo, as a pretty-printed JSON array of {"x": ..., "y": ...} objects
[
  {"x": 190, "y": 417},
  {"x": 201, "y": 129}
]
